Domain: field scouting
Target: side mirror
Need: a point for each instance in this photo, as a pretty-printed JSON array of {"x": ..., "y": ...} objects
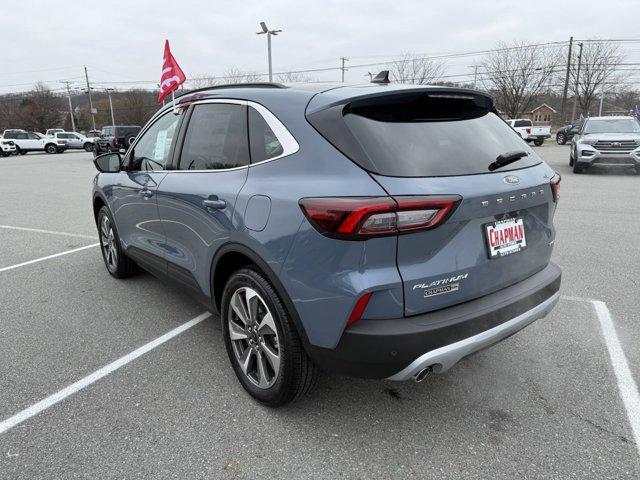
[{"x": 108, "y": 162}]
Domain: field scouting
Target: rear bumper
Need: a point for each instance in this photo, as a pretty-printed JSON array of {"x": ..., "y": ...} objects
[{"x": 398, "y": 349}]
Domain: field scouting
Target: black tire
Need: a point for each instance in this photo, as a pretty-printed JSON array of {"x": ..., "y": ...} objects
[
  {"x": 88, "y": 147},
  {"x": 51, "y": 148},
  {"x": 123, "y": 266},
  {"x": 18, "y": 151},
  {"x": 538, "y": 143},
  {"x": 571, "y": 158},
  {"x": 297, "y": 375},
  {"x": 561, "y": 138},
  {"x": 577, "y": 168}
]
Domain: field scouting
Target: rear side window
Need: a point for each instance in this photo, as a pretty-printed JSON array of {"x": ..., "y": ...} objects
[
  {"x": 264, "y": 143},
  {"x": 522, "y": 123},
  {"x": 421, "y": 134},
  {"x": 216, "y": 138}
]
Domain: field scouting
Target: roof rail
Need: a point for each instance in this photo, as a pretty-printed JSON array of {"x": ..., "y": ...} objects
[{"x": 235, "y": 85}]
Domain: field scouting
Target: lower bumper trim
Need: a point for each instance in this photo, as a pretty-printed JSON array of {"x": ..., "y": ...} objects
[{"x": 444, "y": 358}]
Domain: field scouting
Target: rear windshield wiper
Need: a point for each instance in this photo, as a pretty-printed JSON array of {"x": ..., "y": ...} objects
[{"x": 507, "y": 158}]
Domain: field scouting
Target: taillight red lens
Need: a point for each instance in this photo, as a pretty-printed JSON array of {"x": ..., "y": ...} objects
[
  {"x": 555, "y": 187},
  {"x": 528, "y": 130},
  {"x": 357, "y": 218}
]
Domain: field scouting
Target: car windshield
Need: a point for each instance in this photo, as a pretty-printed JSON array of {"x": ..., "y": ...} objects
[{"x": 614, "y": 125}]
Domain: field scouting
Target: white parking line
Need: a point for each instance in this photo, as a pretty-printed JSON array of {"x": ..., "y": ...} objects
[
  {"x": 51, "y": 400},
  {"x": 50, "y": 232},
  {"x": 18, "y": 265},
  {"x": 626, "y": 384}
]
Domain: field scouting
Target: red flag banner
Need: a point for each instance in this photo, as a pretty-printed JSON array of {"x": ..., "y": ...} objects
[{"x": 172, "y": 75}]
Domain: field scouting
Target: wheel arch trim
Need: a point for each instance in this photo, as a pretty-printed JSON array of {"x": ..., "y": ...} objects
[{"x": 271, "y": 276}]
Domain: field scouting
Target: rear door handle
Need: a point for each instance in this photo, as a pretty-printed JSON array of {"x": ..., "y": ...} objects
[
  {"x": 146, "y": 193},
  {"x": 216, "y": 204}
]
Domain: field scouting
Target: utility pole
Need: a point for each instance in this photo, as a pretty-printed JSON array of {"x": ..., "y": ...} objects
[
  {"x": 269, "y": 33},
  {"x": 601, "y": 102},
  {"x": 73, "y": 122},
  {"x": 575, "y": 95},
  {"x": 109, "y": 90},
  {"x": 343, "y": 59},
  {"x": 475, "y": 76},
  {"x": 566, "y": 82},
  {"x": 93, "y": 117}
]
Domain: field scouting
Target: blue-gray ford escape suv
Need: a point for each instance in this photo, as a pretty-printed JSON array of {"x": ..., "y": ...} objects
[{"x": 378, "y": 231}]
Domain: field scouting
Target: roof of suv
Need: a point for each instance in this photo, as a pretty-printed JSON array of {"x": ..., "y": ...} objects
[
  {"x": 612, "y": 117},
  {"x": 323, "y": 94}
]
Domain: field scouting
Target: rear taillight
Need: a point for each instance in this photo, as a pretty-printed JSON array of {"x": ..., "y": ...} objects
[
  {"x": 555, "y": 186},
  {"x": 528, "y": 130},
  {"x": 359, "y": 218},
  {"x": 115, "y": 141}
]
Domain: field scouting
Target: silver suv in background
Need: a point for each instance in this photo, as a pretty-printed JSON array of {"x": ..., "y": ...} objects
[
  {"x": 607, "y": 142},
  {"x": 75, "y": 140}
]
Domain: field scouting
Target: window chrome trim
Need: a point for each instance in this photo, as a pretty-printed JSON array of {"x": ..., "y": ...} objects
[{"x": 286, "y": 139}]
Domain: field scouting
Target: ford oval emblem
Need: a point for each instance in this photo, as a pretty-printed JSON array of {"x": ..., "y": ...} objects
[{"x": 511, "y": 180}]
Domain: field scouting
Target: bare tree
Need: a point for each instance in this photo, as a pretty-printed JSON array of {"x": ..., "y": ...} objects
[
  {"x": 39, "y": 109},
  {"x": 294, "y": 77},
  {"x": 598, "y": 65},
  {"x": 517, "y": 73},
  {"x": 411, "y": 68},
  {"x": 202, "y": 81},
  {"x": 235, "y": 75}
]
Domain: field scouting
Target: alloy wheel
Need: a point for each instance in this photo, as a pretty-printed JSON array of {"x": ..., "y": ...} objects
[
  {"x": 108, "y": 243},
  {"x": 254, "y": 337}
]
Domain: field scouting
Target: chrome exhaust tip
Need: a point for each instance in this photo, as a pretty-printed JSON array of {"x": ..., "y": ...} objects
[{"x": 422, "y": 374}]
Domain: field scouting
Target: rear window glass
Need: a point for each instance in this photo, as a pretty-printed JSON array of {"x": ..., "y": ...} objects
[
  {"x": 423, "y": 137},
  {"x": 522, "y": 123}
]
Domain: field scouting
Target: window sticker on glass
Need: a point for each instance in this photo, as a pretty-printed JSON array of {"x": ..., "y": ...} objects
[{"x": 161, "y": 145}]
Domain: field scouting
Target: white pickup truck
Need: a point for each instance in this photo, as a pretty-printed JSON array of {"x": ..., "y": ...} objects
[{"x": 528, "y": 132}]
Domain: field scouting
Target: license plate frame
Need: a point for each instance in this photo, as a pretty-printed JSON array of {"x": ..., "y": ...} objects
[{"x": 505, "y": 237}]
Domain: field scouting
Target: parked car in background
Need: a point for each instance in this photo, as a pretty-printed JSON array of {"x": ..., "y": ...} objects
[
  {"x": 93, "y": 133},
  {"x": 34, "y": 142},
  {"x": 612, "y": 142},
  {"x": 75, "y": 140},
  {"x": 51, "y": 131},
  {"x": 313, "y": 221},
  {"x": 7, "y": 147},
  {"x": 12, "y": 130},
  {"x": 566, "y": 133},
  {"x": 114, "y": 138},
  {"x": 529, "y": 132}
]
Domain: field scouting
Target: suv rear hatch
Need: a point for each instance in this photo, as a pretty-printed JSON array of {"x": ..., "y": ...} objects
[{"x": 439, "y": 141}]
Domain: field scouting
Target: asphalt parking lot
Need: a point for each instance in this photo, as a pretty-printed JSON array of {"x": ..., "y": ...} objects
[{"x": 546, "y": 403}]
